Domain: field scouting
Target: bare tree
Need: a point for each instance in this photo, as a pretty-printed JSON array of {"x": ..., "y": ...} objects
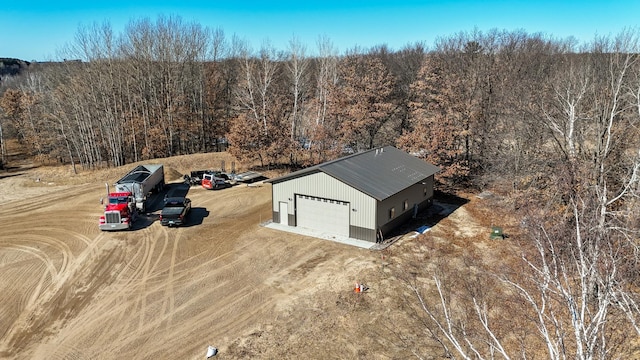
[
  {"x": 578, "y": 287},
  {"x": 216, "y": 84},
  {"x": 297, "y": 66},
  {"x": 261, "y": 101},
  {"x": 570, "y": 88},
  {"x": 256, "y": 83},
  {"x": 319, "y": 133},
  {"x": 11, "y": 112}
]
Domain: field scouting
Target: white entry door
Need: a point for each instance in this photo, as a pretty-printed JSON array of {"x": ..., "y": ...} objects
[
  {"x": 284, "y": 213},
  {"x": 325, "y": 215}
]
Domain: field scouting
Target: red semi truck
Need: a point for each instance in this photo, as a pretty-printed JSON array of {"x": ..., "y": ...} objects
[
  {"x": 130, "y": 196},
  {"x": 119, "y": 212}
]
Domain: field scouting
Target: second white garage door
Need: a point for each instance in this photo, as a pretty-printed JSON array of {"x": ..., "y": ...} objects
[{"x": 323, "y": 214}]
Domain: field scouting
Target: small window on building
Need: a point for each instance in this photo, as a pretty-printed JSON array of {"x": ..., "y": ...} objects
[
  {"x": 405, "y": 205},
  {"x": 392, "y": 213}
]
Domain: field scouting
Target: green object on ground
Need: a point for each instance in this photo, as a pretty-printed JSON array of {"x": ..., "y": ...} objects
[{"x": 496, "y": 232}]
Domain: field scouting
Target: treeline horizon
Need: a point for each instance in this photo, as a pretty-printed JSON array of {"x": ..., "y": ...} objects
[
  {"x": 552, "y": 127},
  {"x": 170, "y": 71}
]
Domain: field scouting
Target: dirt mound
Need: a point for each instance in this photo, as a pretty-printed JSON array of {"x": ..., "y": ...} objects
[{"x": 172, "y": 175}]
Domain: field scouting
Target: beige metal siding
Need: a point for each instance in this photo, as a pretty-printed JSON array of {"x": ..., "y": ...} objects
[
  {"x": 363, "y": 207},
  {"x": 415, "y": 195}
]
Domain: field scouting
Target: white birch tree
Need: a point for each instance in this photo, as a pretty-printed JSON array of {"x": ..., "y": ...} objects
[
  {"x": 578, "y": 282},
  {"x": 297, "y": 66}
]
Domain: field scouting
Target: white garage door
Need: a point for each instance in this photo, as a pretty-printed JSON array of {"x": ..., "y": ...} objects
[{"x": 322, "y": 214}]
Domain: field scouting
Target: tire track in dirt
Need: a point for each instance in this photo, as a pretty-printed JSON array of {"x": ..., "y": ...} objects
[
  {"x": 108, "y": 309},
  {"x": 94, "y": 272},
  {"x": 226, "y": 304},
  {"x": 54, "y": 198},
  {"x": 139, "y": 263},
  {"x": 124, "y": 273},
  {"x": 206, "y": 293},
  {"x": 132, "y": 280},
  {"x": 201, "y": 266},
  {"x": 148, "y": 270},
  {"x": 170, "y": 285},
  {"x": 151, "y": 325},
  {"x": 223, "y": 263},
  {"x": 67, "y": 241},
  {"x": 135, "y": 284},
  {"x": 18, "y": 292},
  {"x": 67, "y": 293},
  {"x": 67, "y": 244},
  {"x": 154, "y": 282},
  {"x": 225, "y": 230},
  {"x": 42, "y": 255},
  {"x": 168, "y": 289},
  {"x": 162, "y": 284}
]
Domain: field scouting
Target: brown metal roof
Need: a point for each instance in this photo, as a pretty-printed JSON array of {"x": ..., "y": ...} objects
[{"x": 379, "y": 173}]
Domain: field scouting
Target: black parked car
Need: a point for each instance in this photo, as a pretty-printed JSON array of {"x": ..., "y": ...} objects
[{"x": 175, "y": 211}]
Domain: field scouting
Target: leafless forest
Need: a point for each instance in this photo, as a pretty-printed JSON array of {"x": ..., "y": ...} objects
[{"x": 551, "y": 125}]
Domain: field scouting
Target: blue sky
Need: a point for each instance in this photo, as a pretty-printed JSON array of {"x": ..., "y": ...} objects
[{"x": 35, "y": 29}]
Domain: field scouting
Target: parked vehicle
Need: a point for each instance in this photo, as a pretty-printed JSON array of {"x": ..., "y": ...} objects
[
  {"x": 175, "y": 211},
  {"x": 130, "y": 196},
  {"x": 141, "y": 181},
  {"x": 119, "y": 213},
  {"x": 248, "y": 177},
  {"x": 195, "y": 177},
  {"x": 214, "y": 181}
]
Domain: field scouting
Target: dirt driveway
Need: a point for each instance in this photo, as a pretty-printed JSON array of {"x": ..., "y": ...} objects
[{"x": 72, "y": 291}]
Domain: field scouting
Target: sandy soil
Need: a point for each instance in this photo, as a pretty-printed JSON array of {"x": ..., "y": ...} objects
[{"x": 70, "y": 291}]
